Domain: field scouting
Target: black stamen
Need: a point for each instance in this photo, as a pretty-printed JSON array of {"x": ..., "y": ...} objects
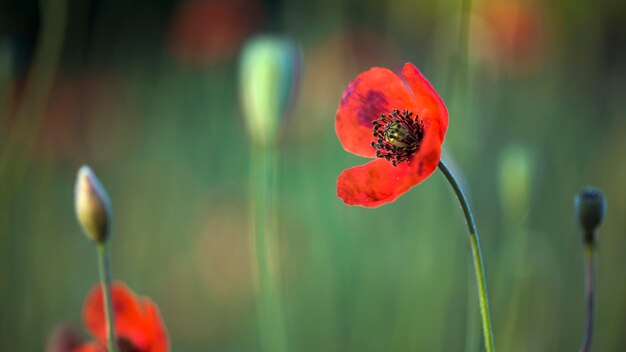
[{"x": 398, "y": 136}]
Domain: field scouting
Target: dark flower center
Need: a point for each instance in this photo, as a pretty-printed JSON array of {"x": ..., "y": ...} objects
[{"x": 398, "y": 135}]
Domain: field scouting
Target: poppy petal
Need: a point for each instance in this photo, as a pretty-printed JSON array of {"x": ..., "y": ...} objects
[
  {"x": 373, "y": 92},
  {"x": 160, "y": 338},
  {"x": 378, "y": 182},
  {"x": 426, "y": 159},
  {"x": 129, "y": 317},
  {"x": 430, "y": 107}
]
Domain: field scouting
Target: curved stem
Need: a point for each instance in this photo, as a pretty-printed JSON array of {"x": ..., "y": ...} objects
[
  {"x": 479, "y": 267},
  {"x": 104, "y": 268},
  {"x": 589, "y": 297}
]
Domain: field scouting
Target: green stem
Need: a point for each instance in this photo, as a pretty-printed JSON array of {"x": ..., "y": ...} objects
[
  {"x": 104, "y": 268},
  {"x": 479, "y": 266},
  {"x": 263, "y": 170},
  {"x": 589, "y": 296}
]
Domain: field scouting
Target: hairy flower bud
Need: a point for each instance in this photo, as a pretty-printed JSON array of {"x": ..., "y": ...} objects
[
  {"x": 93, "y": 208},
  {"x": 590, "y": 207},
  {"x": 269, "y": 75}
]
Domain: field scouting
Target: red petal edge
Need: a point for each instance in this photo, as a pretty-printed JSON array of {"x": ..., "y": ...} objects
[
  {"x": 430, "y": 107},
  {"x": 137, "y": 320},
  {"x": 378, "y": 182},
  {"x": 160, "y": 338}
]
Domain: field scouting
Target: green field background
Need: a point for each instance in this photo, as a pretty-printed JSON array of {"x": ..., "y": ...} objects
[{"x": 107, "y": 85}]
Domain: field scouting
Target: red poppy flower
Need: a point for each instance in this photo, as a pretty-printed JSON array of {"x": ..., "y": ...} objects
[
  {"x": 401, "y": 121},
  {"x": 138, "y": 323},
  {"x": 203, "y": 32}
]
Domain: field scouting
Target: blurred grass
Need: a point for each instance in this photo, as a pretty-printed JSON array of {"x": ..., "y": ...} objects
[{"x": 167, "y": 141}]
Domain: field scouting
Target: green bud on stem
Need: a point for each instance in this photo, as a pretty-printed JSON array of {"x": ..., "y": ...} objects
[
  {"x": 515, "y": 179},
  {"x": 590, "y": 207},
  {"x": 269, "y": 75},
  {"x": 93, "y": 207}
]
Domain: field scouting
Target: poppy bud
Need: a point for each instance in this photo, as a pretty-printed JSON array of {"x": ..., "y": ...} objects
[
  {"x": 515, "y": 180},
  {"x": 590, "y": 207},
  {"x": 93, "y": 207},
  {"x": 269, "y": 72}
]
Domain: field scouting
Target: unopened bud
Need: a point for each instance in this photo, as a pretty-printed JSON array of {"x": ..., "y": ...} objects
[
  {"x": 93, "y": 207},
  {"x": 269, "y": 77},
  {"x": 515, "y": 179},
  {"x": 590, "y": 207}
]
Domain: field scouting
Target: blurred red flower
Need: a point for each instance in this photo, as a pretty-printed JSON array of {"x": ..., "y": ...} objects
[
  {"x": 511, "y": 35},
  {"x": 401, "y": 121},
  {"x": 203, "y": 32},
  {"x": 138, "y": 323}
]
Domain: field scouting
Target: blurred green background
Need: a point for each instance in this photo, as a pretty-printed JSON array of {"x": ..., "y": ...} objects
[{"x": 146, "y": 93}]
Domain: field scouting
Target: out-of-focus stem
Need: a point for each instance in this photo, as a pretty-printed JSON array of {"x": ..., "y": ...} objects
[
  {"x": 458, "y": 60},
  {"x": 263, "y": 169},
  {"x": 104, "y": 268},
  {"x": 589, "y": 297}
]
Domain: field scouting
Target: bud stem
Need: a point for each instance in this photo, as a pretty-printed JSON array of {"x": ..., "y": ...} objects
[
  {"x": 104, "y": 269},
  {"x": 589, "y": 296},
  {"x": 263, "y": 210},
  {"x": 477, "y": 255}
]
